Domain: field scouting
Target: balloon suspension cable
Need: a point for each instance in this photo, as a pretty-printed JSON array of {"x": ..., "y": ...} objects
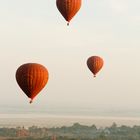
[
  {"x": 68, "y": 24},
  {"x": 31, "y": 101}
]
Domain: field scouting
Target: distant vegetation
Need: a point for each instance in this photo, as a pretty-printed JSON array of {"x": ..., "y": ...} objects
[{"x": 74, "y": 132}]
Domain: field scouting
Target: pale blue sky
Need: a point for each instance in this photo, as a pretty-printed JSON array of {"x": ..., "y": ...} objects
[{"x": 34, "y": 31}]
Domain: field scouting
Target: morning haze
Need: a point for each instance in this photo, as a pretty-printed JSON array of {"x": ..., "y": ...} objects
[{"x": 34, "y": 31}]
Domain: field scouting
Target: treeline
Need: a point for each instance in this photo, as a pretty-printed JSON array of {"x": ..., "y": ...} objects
[{"x": 74, "y": 132}]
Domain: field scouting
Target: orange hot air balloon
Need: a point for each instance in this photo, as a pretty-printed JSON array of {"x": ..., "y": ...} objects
[
  {"x": 95, "y": 63},
  {"x": 68, "y": 8},
  {"x": 32, "y": 78}
]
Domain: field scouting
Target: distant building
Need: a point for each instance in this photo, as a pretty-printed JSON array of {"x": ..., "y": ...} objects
[
  {"x": 22, "y": 132},
  {"x": 53, "y": 137}
]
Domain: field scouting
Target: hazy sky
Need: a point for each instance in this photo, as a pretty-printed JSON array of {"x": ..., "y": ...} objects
[{"x": 34, "y": 31}]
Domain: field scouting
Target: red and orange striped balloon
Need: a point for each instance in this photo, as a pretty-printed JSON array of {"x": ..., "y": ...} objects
[
  {"x": 32, "y": 78},
  {"x": 95, "y": 63},
  {"x": 68, "y": 8}
]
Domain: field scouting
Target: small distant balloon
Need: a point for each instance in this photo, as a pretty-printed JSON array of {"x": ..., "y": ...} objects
[
  {"x": 68, "y": 8},
  {"x": 95, "y": 64},
  {"x": 32, "y": 78}
]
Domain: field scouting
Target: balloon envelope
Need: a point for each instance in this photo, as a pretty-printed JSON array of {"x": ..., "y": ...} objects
[
  {"x": 32, "y": 78},
  {"x": 68, "y": 8},
  {"x": 95, "y": 63}
]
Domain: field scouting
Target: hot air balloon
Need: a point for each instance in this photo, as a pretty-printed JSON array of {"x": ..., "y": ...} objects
[
  {"x": 32, "y": 78},
  {"x": 95, "y": 63},
  {"x": 68, "y": 8}
]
